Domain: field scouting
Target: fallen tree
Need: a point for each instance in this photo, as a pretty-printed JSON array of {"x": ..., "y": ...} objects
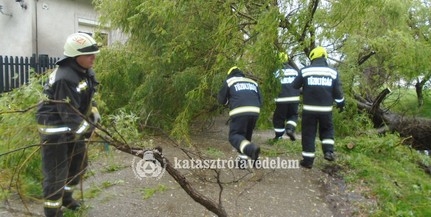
[{"x": 415, "y": 130}]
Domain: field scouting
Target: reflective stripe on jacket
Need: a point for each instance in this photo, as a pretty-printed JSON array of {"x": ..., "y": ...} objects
[
  {"x": 241, "y": 94},
  {"x": 287, "y": 94},
  {"x": 321, "y": 86}
]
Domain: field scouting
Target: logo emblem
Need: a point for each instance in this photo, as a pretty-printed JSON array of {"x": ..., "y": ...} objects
[{"x": 148, "y": 166}]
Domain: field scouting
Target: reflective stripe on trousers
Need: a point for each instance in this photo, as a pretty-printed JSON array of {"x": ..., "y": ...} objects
[
  {"x": 308, "y": 154},
  {"x": 69, "y": 188},
  {"x": 53, "y": 203}
]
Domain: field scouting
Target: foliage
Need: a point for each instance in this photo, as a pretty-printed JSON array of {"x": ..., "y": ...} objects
[
  {"x": 119, "y": 71},
  {"x": 20, "y": 169},
  {"x": 184, "y": 49},
  {"x": 394, "y": 30},
  {"x": 125, "y": 127},
  {"x": 358, "y": 122},
  {"x": 177, "y": 54}
]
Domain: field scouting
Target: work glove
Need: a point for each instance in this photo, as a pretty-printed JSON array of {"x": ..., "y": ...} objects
[
  {"x": 95, "y": 116},
  {"x": 94, "y": 119},
  {"x": 340, "y": 106}
]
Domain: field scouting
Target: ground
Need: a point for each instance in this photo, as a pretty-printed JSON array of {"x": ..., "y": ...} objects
[{"x": 114, "y": 188}]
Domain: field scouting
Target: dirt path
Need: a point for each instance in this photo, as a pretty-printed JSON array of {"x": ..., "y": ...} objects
[{"x": 115, "y": 189}]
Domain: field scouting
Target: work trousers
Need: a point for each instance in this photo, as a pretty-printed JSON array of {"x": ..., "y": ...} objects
[
  {"x": 311, "y": 122},
  {"x": 64, "y": 161},
  {"x": 241, "y": 130},
  {"x": 284, "y": 118}
]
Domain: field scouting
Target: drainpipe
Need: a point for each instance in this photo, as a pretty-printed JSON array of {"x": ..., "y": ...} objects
[{"x": 36, "y": 35}]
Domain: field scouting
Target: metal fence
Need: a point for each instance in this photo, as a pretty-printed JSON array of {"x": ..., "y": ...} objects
[{"x": 15, "y": 71}]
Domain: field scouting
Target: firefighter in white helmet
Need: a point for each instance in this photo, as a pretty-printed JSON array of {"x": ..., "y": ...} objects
[
  {"x": 321, "y": 87},
  {"x": 65, "y": 120}
]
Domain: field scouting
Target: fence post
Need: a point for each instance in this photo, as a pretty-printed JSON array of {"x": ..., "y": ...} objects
[
  {"x": 6, "y": 74},
  {"x": 27, "y": 70},
  {"x": 2, "y": 80}
]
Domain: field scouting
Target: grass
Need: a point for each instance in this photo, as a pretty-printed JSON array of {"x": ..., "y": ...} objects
[
  {"x": 150, "y": 192},
  {"x": 388, "y": 169},
  {"x": 405, "y": 101},
  {"x": 281, "y": 147},
  {"x": 391, "y": 173},
  {"x": 214, "y": 152},
  {"x": 78, "y": 213},
  {"x": 95, "y": 190}
]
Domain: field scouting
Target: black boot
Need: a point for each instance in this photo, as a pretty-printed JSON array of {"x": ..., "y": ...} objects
[
  {"x": 304, "y": 164},
  {"x": 53, "y": 212},
  {"x": 328, "y": 152},
  {"x": 329, "y": 156},
  {"x": 307, "y": 162},
  {"x": 241, "y": 162},
  {"x": 291, "y": 134},
  {"x": 69, "y": 202},
  {"x": 252, "y": 151}
]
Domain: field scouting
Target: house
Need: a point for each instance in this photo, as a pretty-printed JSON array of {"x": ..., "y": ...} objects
[{"x": 40, "y": 27}]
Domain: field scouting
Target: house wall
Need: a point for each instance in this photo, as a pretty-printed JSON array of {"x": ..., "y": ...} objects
[
  {"x": 56, "y": 19},
  {"x": 43, "y": 27},
  {"x": 15, "y": 29}
]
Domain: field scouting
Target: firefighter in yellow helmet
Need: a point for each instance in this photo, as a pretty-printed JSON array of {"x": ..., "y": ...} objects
[
  {"x": 244, "y": 99},
  {"x": 318, "y": 52},
  {"x": 321, "y": 87},
  {"x": 61, "y": 123},
  {"x": 287, "y": 102}
]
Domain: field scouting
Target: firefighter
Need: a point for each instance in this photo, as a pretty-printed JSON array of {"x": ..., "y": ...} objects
[
  {"x": 320, "y": 88},
  {"x": 63, "y": 124},
  {"x": 285, "y": 114},
  {"x": 244, "y": 99}
]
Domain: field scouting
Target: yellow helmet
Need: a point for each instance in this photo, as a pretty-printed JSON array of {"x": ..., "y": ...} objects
[
  {"x": 318, "y": 52},
  {"x": 282, "y": 56},
  {"x": 231, "y": 69}
]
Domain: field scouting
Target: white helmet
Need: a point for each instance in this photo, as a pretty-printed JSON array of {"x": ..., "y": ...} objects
[{"x": 80, "y": 44}]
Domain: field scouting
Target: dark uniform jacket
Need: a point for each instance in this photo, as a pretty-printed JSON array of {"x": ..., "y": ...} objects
[
  {"x": 321, "y": 86},
  {"x": 241, "y": 94},
  {"x": 68, "y": 83},
  {"x": 288, "y": 94}
]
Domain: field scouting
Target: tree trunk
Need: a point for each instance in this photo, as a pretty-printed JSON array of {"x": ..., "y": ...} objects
[
  {"x": 419, "y": 86},
  {"x": 417, "y": 130},
  {"x": 419, "y": 94}
]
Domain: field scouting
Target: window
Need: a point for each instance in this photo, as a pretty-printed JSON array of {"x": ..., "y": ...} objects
[{"x": 100, "y": 37}]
